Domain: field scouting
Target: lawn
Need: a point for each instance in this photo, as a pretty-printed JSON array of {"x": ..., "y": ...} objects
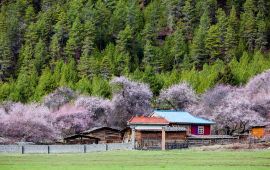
[{"x": 141, "y": 160}]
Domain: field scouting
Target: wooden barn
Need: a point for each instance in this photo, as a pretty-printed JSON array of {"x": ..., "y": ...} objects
[
  {"x": 153, "y": 133},
  {"x": 81, "y": 139},
  {"x": 95, "y": 136},
  {"x": 105, "y": 134}
]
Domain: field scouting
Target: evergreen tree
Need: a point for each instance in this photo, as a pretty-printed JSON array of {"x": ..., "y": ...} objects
[
  {"x": 27, "y": 78},
  {"x": 248, "y": 25},
  {"x": 213, "y": 42},
  {"x": 40, "y": 55},
  {"x": 84, "y": 86},
  {"x": 179, "y": 46},
  {"x": 189, "y": 18},
  {"x": 231, "y": 37},
  {"x": 124, "y": 40},
  {"x": 84, "y": 66},
  {"x": 6, "y": 59},
  {"x": 149, "y": 54},
  {"x": 222, "y": 23},
  {"x": 55, "y": 48},
  {"x": 74, "y": 43},
  {"x": 198, "y": 49},
  {"x": 150, "y": 77},
  {"x": 261, "y": 37},
  {"x": 68, "y": 74},
  {"x": 106, "y": 67},
  {"x": 45, "y": 84},
  {"x": 100, "y": 87}
]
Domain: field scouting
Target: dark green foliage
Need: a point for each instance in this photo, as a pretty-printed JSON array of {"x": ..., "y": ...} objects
[{"x": 82, "y": 44}]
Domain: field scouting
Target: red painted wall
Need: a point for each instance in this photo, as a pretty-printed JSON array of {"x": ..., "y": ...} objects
[
  {"x": 207, "y": 130},
  {"x": 194, "y": 129}
]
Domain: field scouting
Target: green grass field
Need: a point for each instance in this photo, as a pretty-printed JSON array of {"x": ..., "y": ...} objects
[{"x": 141, "y": 160}]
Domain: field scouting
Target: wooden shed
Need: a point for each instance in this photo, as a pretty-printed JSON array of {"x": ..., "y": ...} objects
[
  {"x": 81, "y": 139},
  {"x": 105, "y": 134},
  {"x": 258, "y": 131}
]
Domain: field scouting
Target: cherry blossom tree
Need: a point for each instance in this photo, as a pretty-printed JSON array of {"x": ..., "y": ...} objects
[
  {"x": 258, "y": 92},
  {"x": 235, "y": 114},
  {"x": 178, "y": 96},
  {"x": 98, "y": 108},
  {"x": 130, "y": 98},
  {"x": 87, "y": 112},
  {"x": 210, "y": 100},
  {"x": 29, "y": 122},
  {"x": 59, "y": 97}
]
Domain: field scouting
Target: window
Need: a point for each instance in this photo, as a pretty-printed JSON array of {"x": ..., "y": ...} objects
[{"x": 200, "y": 130}]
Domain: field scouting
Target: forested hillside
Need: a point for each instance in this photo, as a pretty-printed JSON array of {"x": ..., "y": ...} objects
[{"x": 82, "y": 44}]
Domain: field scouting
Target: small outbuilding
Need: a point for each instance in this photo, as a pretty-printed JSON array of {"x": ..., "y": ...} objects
[
  {"x": 258, "y": 131},
  {"x": 81, "y": 139},
  {"x": 104, "y": 134}
]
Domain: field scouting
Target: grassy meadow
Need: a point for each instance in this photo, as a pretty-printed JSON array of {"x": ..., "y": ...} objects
[{"x": 140, "y": 160}]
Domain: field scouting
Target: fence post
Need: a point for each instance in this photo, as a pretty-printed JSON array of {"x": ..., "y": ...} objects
[
  {"x": 84, "y": 148},
  {"x": 106, "y": 146},
  {"x": 22, "y": 149},
  {"x": 48, "y": 149}
]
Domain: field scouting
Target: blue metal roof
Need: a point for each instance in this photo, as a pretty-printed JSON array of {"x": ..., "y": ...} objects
[{"x": 181, "y": 117}]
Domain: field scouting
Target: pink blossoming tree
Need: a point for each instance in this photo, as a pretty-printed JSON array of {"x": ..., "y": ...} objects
[{"x": 130, "y": 98}]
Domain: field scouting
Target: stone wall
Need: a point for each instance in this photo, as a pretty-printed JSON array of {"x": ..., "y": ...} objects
[
  {"x": 10, "y": 149},
  {"x": 119, "y": 146},
  {"x": 51, "y": 149}
]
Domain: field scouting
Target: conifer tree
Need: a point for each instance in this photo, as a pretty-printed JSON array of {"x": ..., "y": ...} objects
[
  {"x": 179, "y": 46},
  {"x": 40, "y": 55},
  {"x": 106, "y": 67},
  {"x": 248, "y": 25},
  {"x": 84, "y": 86},
  {"x": 198, "y": 49},
  {"x": 149, "y": 54},
  {"x": 87, "y": 49},
  {"x": 74, "y": 43},
  {"x": 124, "y": 40},
  {"x": 213, "y": 42},
  {"x": 261, "y": 36},
  {"x": 189, "y": 18},
  {"x": 231, "y": 36},
  {"x": 68, "y": 74},
  {"x": 55, "y": 48},
  {"x": 100, "y": 87},
  {"x": 27, "y": 78},
  {"x": 6, "y": 62},
  {"x": 45, "y": 84}
]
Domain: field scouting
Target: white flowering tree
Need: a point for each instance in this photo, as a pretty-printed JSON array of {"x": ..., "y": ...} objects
[
  {"x": 229, "y": 107},
  {"x": 129, "y": 98},
  {"x": 86, "y": 113},
  {"x": 30, "y": 122},
  {"x": 178, "y": 96},
  {"x": 235, "y": 113},
  {"x": 258, "y": 92},
  {"x": 59, "y": 97}
]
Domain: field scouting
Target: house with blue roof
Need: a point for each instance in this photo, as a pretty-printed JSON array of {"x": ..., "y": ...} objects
[{"x": 193, "y": 124}]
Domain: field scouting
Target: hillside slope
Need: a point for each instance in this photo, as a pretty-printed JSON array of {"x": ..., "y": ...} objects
[{"x": 82, "y": 44}]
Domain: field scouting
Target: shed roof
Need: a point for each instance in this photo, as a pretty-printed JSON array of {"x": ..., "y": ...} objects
[
  {"x": 100, "y": 128},
  {"x": 148, "y": 120},
  {"x": 180, "y": 117},
  {"x": 80, "y": 136}
]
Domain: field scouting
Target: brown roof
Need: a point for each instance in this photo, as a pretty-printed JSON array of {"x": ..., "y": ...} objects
[{"x": 148, "y": 120}]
